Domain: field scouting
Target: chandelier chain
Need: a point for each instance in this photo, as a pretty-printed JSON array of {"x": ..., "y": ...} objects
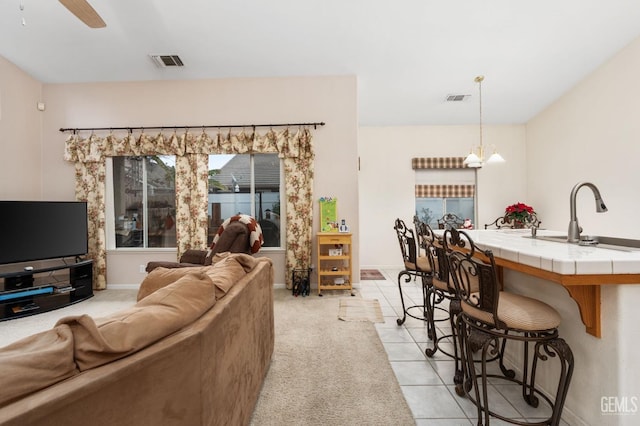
[{"x": 479, "y": 79}]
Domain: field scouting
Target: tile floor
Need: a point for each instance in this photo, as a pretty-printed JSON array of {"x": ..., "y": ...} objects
[{"x": 427, "y": 383}]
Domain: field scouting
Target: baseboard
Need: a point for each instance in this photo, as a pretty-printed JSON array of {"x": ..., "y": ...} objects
[
  {"x": 137, "y": 286},
  {"x": 356, "y": 286},
  {"x": 394, "y": 266},
  {"x": 123, "y": 286}
]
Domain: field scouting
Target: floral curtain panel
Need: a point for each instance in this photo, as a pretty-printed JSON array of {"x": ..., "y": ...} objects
[
  {"x": 192, "y": 150},
  {"x": 192, "y": 175}
]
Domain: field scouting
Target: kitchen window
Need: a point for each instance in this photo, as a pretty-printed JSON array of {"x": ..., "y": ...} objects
[{"x": 443, "y": 186}]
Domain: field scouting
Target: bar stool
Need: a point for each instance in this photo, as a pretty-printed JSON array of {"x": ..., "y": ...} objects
[
  {"x": 443, "y": 283},
  {"x": 450, "y": 220},
  {"x": 414, "y": 267},
  {"x": 491, "y": 317},
  {"x": 441, "y": 288},
  {"x": 434, "y": 296}
]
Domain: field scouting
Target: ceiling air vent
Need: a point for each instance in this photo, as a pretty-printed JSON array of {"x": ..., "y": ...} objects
[
  {"x": 164, "y": 61},
  {"x": 457, "y": 98}
]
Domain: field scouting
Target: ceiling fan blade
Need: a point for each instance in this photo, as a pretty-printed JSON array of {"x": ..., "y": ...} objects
[{"x": 83, "y": 10}]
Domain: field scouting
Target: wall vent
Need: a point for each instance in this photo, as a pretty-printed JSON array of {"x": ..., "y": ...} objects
[
  {"x": 164, "y": 61},
  {"x": 457, "y": 98}
]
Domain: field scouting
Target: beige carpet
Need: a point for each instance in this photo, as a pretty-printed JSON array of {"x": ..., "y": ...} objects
[
  {"x": 327, "y": 372},
  {"x": 357, "y": 309},
  {"x": 324, "y": 371},
  {"x": 102, "y": 303}
]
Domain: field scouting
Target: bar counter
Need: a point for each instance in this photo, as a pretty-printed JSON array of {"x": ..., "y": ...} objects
[{"x": 580, "y": 269}]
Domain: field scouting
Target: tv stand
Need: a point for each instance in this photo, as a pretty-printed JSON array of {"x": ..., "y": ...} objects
[{"x": 32, "y": 291}]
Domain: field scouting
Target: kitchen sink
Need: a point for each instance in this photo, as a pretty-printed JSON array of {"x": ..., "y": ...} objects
[{"x": 612, "y": 243}]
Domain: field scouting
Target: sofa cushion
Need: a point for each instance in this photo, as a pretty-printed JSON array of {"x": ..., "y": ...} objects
[
  {"x": 225, "y": 273},
  {"x": 36, "y": 362},
  {"x": 168, "y": 309},
  {"x": 218, "y": 257},
  {"x": 248, "y": 262},
  {"x": 226, "y": 269},
  {"x": 162, "y": 277}
]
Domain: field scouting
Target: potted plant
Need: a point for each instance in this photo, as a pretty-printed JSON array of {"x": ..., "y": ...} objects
[{"x": 519, "y": 214}]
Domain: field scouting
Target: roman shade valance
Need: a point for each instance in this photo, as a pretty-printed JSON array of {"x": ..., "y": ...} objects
[
  {"x": 457, "y": 186},
  {"x": 438, "y": 163},
  {"x": 445, "y": 191}
]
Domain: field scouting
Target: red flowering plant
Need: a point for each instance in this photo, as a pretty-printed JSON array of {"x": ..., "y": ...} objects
[{"x": 518, "y": 212}]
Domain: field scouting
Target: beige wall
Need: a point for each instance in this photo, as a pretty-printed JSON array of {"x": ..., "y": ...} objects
[
  {"x": 387, "y": 180},
  {"x": 20, "y": 135},
  {"x": 592, "y": 134},
  {"x": 32, "y": 136}
]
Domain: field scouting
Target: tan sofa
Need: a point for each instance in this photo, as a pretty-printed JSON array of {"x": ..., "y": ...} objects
[{"x": 121, "y": 370}]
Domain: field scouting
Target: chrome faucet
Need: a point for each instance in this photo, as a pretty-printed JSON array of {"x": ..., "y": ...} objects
[{"x": 573, "y": 235}]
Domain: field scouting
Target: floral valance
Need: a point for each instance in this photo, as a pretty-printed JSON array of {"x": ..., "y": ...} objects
[
  {"x": 438, "y": 163},
  {"x": 287, "y": 143},
  {"x": 191, "y": 150}
]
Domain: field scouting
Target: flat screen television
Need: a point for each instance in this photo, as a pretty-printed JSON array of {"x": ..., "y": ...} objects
[{"x": 39, "y": 230}]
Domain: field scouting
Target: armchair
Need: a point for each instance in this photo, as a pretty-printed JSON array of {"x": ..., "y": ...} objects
[{"x": 237, "y": 234}]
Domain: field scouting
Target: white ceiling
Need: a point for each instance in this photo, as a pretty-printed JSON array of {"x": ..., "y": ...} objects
[{"x": 408, "y": 55}]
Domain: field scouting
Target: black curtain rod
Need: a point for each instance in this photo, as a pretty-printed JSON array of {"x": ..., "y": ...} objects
[{"x": 132, "y": 128}]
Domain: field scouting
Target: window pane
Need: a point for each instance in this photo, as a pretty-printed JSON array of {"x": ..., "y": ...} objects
[
  {"x": 128, "y": 176},
  {"x": 230, "y": 192},
  {"x": 429, "y": 210},
  {"x": 138, "y": 219},
  {"x": 461, "y": 207},
  {"x": 267, "y": 197},
  {"x": 161, "y": 201},
  {"x": 229, "y": 185}
]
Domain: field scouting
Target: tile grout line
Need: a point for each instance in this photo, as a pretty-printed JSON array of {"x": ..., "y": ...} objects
[{"x": 381, "y": 294}]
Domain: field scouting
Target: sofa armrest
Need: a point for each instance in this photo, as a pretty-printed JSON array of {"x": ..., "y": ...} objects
[
  {"x": 166, "y": 264},
  {"x": 194, "y": 256},
  {"x": 189, "y": 258}
]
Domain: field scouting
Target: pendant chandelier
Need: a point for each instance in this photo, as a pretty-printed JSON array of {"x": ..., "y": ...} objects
[{"x": 475, "y": 159}]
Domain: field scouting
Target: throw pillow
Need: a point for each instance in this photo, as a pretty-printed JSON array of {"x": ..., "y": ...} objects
[
  {"x": 224, "y": 274},
  {"x": 252, "y": 227},
  {"x": 162, "y": 277}
]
